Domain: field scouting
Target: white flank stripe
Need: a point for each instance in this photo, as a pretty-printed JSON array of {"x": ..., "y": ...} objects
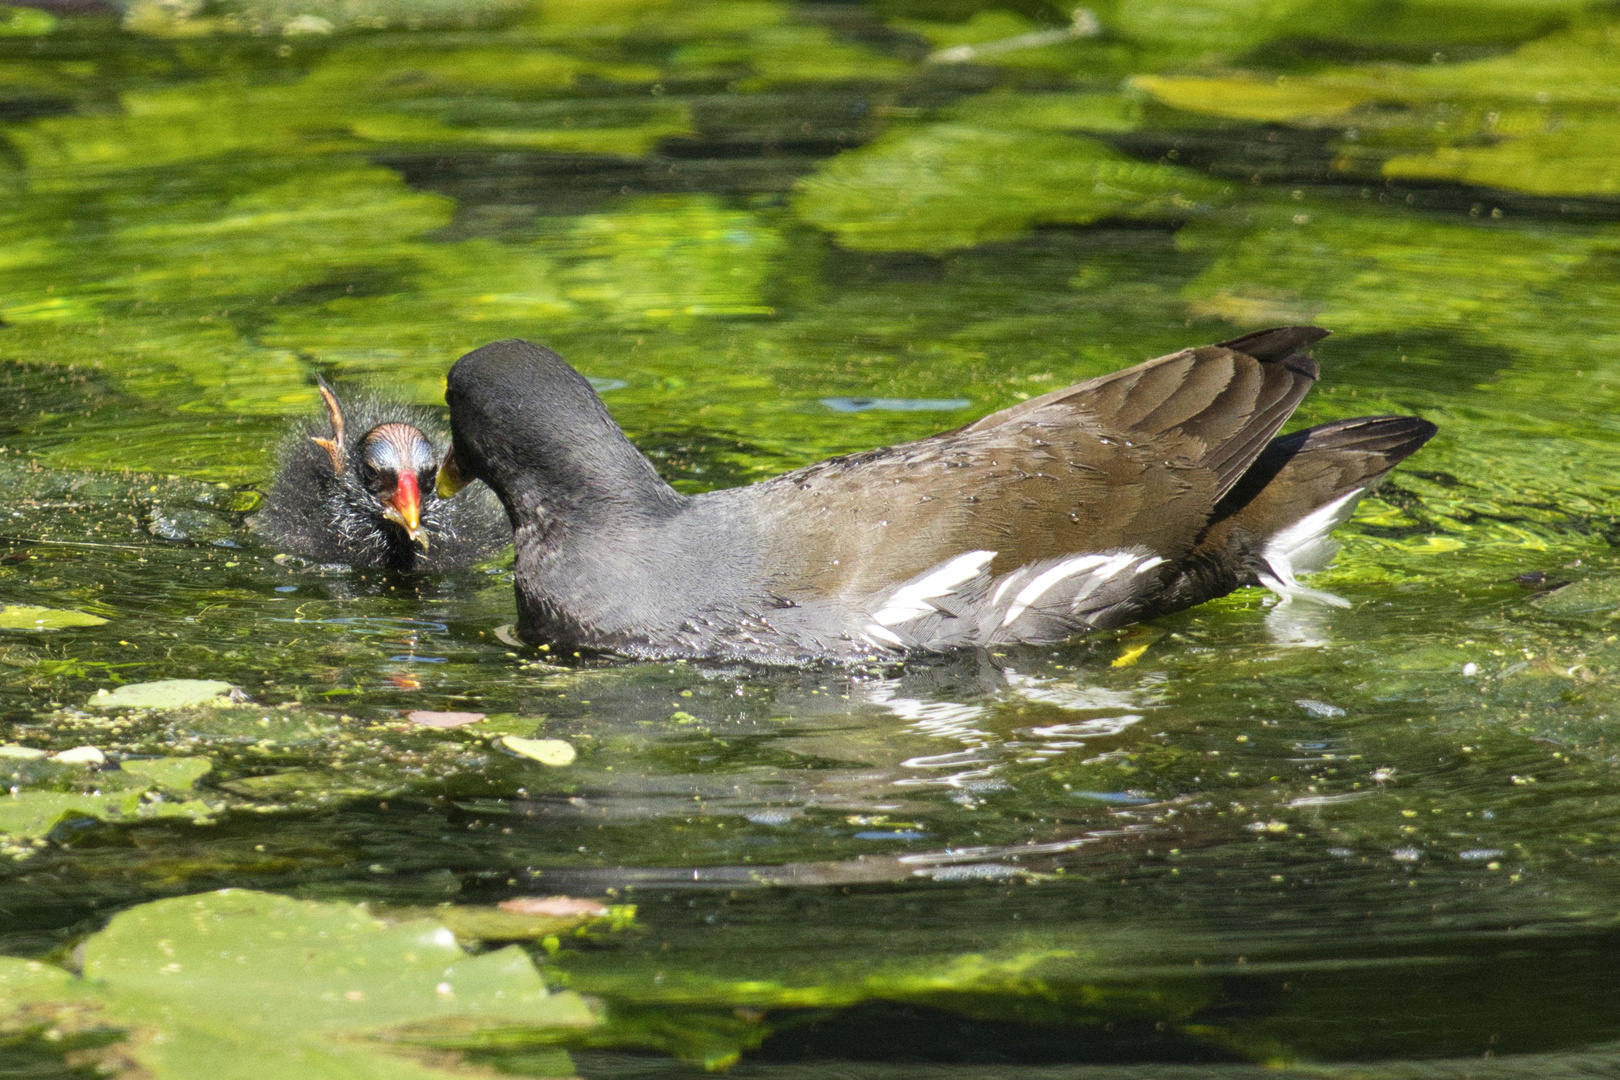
[
  {"x": 1098, "y": 576},
  {"x": 911, "y": 600},
  {"x": 1006, "y": 583},
  {"x": 1115, "y": 565},
  {"x": 1045, "y": 580},
  {"x": 878, "y": 633},
  {"x": 1148, "y": 564}
]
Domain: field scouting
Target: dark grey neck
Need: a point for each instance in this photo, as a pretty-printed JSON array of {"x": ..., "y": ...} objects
[
  {"x": 577, "y": 486},
  {"x": 608, "y": 555},
  {"x": 533, "y": 429}
]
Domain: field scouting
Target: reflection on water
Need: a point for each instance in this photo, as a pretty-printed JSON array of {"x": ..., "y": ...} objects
[
  {"x": 861, "y": 404},
  {"x": 1377, "y": 840}
]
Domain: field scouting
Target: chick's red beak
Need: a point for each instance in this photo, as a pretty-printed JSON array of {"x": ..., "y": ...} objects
[{"x": 404, "y": 507}]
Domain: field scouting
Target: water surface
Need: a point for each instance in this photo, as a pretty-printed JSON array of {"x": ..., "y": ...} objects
[{"x": 1379, "y": 841}]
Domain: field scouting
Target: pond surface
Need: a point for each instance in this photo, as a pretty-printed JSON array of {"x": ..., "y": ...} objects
[{"x": 1370, "y": 842}]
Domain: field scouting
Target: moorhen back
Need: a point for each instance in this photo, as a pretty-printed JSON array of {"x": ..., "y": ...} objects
[
  {"x": 363, "y": 494},
  {"x": 1113, "y": 500}
]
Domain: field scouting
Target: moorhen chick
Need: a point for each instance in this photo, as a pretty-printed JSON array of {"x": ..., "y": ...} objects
[
  {"x": 1117, "y": 499},
  {"x": 367, "y": 499}
]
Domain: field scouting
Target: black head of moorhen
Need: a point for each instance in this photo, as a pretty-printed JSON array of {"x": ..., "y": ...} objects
[
  {"x": 363, "y": 493},
  {"x": 1113, "y": 500}
]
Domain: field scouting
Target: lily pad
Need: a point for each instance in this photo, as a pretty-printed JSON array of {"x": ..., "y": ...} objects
[
  {"x": 1540, "y": 120},
  {"x": 429, "y": 718},
  {"x": 316, "y": 784},
  {"x": 245, "y": 984},
  {"x": 29, "y": 617},
  {"x": 545, "y": 751},
  {"x": 36, "y": 813},
  {"x": 553, "y": 906},
  {"x": 1588, "y": 597},
  {"x": 82, "y": 755},
  {"x": 170, "y": 773},
  {"x": 18, "y": 21},
  {"x": 163, "y": 694},
  {"x": 949, "y": 186},
  {"x": 473, "y": 922}
]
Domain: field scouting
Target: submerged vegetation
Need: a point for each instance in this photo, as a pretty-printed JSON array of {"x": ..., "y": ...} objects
[{"x": 1246, "y": 835}]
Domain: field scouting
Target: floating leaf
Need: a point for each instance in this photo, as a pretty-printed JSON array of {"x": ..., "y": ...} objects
[
  {"x": 28, "y": 617},
  {"x": 307, "y": 784},
  {"x": 779, "y": 52},
  {"x": 36, "y": 813},
  {"x": 545, "y": 751},
  {"x": 25, "y": 21},
  {"x": 1383, "y": 270},
  {"x": 555, "y": 906},
  {"x": 949, "y": 186},
  {"x": 1573, "y": 155},
  {"x": 81, "y": 755},
  {"x": 1588, "y": 597},
  {"x": 188, "y": 20},
  {"x": 23, "y": 982},
  {"x": 531, "y": 127},
  {"x": 162, "y": 694},
  {"x": 1200, "y": 27},
  {"x": 1243, "y": 97},
  {"x": 169, "y": 773},
  {"x": 429, "y": 718},
  {"x": 670, "y": 257},
  {"x": 1540, "y": 120},
  {"x": 239, "y": 984},
  {"x": 476, "y": 922},
  {"x": 1100, "y": 112}
]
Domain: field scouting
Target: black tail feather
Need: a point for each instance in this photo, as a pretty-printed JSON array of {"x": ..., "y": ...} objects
[
  {"x": 1298, "y": 472},
  {"x": 1277, "y": 343}
]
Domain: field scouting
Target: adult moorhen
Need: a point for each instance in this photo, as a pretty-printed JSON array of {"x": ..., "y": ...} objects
[
  {"x": 1113, "y": 500},
  {"x": 368, "y": 500}
]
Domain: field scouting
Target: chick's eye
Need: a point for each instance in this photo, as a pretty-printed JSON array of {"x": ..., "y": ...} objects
[{"x": 376, "y": 480}]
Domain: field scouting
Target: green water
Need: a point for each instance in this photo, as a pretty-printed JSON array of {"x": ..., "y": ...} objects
[{"x": 1377, "y": 842}]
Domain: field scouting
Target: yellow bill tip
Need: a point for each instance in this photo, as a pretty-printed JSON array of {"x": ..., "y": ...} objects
[{"x": 449, "y": 481}]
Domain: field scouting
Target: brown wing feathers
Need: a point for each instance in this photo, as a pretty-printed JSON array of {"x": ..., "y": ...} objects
[
  {"x": 1050, "y": 478},
  {"x": 1193, "y": 422},
  {"x": 1229, "y": 402}
]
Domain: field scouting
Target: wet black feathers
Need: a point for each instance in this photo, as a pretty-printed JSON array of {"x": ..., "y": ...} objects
[{"x": 311, "y": 511}]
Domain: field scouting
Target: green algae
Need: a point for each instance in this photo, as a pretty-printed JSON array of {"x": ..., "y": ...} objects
[
  {"x": 1281, "y": 833},
  {"x": 953, "y": 186},
  {"x": 1539, "y": 120}
]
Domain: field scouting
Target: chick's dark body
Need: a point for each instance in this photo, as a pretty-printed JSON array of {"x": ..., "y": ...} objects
[
  {"x": 339, "y": 515},
  {"x": 1139, "y": 493}
]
